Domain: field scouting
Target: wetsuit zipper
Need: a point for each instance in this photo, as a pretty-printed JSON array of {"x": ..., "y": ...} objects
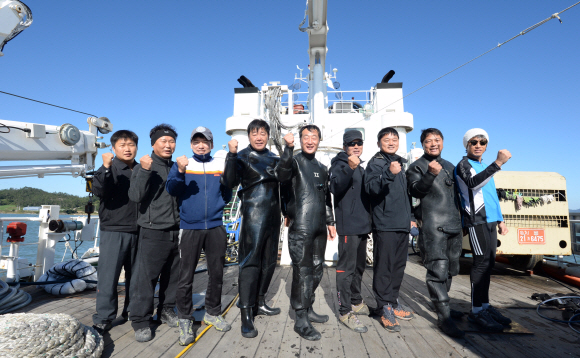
[{"x": 205, "y": 190}]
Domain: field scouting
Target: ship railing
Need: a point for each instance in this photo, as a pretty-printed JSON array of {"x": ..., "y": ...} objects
[{"x": 364, "y": 100}]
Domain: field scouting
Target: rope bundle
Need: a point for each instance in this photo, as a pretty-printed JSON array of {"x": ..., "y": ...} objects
[
  {"x": 47, "y": 335},
  {"x": 75, "y": 270}
]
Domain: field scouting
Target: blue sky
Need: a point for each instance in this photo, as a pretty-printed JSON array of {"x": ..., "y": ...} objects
[{"x": 145, "y": 62}]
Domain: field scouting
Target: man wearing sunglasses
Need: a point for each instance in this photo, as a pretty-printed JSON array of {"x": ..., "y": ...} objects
[
  {"x": 353, "y": 225},
  {"x": 308, "y": 207},
  {"x": 430, "y": 179},
  {"x": 481, "y": 216}
]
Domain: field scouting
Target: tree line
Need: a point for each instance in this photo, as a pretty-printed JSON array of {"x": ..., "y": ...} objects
[{"x": 36, "y": 197}]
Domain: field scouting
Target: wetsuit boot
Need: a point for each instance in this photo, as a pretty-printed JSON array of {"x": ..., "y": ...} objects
[
  {"x": 248, "y": 328},
  {"x": 445, "y": 322},
  {"x": 263, "y": 309},
  {"x": 304, "y": 328},
  {"x": 315, "y": 317}
]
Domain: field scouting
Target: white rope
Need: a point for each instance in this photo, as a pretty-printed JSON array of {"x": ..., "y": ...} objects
[
  {"x": 523, "y": 32},
  {"x": 47, "y": 335},
  {"x": 272, "y": 99}
]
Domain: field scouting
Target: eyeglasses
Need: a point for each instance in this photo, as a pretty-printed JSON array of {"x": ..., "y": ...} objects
[
  {"x": 352, "y": 144},
  {"x": 475, "y": 141}
]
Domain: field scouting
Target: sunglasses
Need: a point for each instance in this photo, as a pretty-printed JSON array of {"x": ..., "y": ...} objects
[
  {"x": 352, "y": 144},
  {"x": 475, "y": 141}
]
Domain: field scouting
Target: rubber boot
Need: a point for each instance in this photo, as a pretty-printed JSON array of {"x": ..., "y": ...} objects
[
  {"x": 264, "y": 309},
  {"x": 248, "y": 328},
  {"x": 304, "y": 328},
  {"x": 444, "y": 321},
  {"x": 315, "y": 317}
]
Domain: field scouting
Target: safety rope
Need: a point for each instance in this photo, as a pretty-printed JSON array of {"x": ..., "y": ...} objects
[
  {"x": 48, "y": 335},
  {"x": 523, "y": 32}
]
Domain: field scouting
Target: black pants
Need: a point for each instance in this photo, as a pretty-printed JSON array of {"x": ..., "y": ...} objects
[
  {"x": 117, "y": 250},
  {"x": 440, "y": 252},
  {"x": 389, "y": 262},
  {"x": 157, "y": 259},
  {"x": 213, "y": 242},
  {"x": 352, "y": 255},
  {"x": 258, "y": 253},
  {"x": 483, "y": 240},
  {"x": 307, "y": 254}
]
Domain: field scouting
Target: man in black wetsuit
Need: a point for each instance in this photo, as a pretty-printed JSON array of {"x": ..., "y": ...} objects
[
  {"x": 259, "y": 172},
  {"x": 311, "y": 222},
  {"x": 430, "y": 179}
]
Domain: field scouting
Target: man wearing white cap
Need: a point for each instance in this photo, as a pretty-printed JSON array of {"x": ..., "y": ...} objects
[{"x": 481, "y": 216}]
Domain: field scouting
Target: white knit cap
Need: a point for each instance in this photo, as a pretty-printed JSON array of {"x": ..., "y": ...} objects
[{"x": 475, "y": 132}]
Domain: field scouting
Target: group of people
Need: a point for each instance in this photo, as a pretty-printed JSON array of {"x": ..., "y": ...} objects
[{"x": 158, "y": 215}]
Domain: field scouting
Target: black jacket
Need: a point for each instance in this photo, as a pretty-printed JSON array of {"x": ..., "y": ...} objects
[
  {"x": 390, "y": 203},
  {"x": 157, "y": 209},
  {"x": 307, "y": 200},
  {"x": 111, "y": 185},
  {"x": 351, "y": 202},
  {"x": 439, "y": 208}
]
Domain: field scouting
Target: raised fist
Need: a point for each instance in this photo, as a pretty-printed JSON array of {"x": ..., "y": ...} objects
[
  {"x": 395, "y": 168},
  {"x": 353, "y": 162},
  {"x": 435, "y": 167},
  {"x": 502, "y": 157},
  {"x": 146, "y": 162},
  {"x": 182, "y": 163},
  {"x": 233, "y": 146},
  {"x": 108, "y": 159},
  {"x": 289, "y": 138}
]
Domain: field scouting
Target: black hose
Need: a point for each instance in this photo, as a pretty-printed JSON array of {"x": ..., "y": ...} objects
[
  {"x": 570, "y": 321},
  {"x": 11, "y": 298}
]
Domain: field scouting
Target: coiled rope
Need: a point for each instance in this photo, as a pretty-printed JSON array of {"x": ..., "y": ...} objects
[
  {"x": 11, "y": 298},
  {"x": 48, "y": 335}
]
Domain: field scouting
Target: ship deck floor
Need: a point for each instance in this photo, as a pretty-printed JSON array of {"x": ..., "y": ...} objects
[{"x": 510, "y": 291}]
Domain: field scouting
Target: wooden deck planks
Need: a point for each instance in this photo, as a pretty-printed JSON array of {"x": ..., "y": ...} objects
[{"x": 420, "y": 337}]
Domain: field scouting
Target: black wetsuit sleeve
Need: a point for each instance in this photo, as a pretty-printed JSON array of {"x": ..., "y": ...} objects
[
  {"x": 103, "y": 181},
  {"x": 328, "y": 199},
  {"x": 419, "y": 183},
  {"x": 377, "y": 177},
  {"x": 231, "y": 176},
  {"x": 479, "y": 180},
  {"x": 139, "y": 184},
  {"x": 283, "y": 170},
  {"x": 340, "y": 177}
]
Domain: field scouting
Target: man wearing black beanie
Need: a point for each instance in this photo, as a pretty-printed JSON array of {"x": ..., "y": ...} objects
[{"x": 158, "y": 220}]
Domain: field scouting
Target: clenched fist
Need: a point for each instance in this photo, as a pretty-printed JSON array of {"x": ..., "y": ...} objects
[
  {"x": 395, "y": 168},
  {"x": 502, "y": 157},
  {"x": 146, "y": 162},
  {"x": 289, "y": 138},
  {"x": 233, "y": 146},
  {"x": 108, "y": 159},
  {"x": 435, "y": 167},
  {"x": 353, "y": 162},
  {"x": 182, "y": 163}
]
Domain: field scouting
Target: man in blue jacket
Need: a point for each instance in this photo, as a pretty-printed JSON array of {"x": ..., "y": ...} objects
[{"x": 201, "y": 198}]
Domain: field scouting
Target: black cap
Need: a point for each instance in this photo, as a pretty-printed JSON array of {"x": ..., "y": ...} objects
[{"x": 351, "y": 135}]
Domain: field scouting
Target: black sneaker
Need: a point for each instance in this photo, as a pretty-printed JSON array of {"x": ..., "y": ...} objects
[
  {"x": 484, "y": 320},
  {"x": 169, "y": 317},
  {"x": 498, "y": 317},
  {"x": 102, "y": 327}
]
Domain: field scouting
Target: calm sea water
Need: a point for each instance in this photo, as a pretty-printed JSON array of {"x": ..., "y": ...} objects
[{"x": 29, "y": 252}]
